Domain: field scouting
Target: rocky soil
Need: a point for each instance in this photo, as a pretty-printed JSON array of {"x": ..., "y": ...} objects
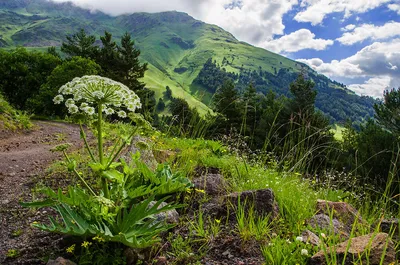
[{"x": 24, "y": 158}]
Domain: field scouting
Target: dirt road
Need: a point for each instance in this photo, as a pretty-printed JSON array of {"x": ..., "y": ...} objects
[{"x": 24, "y": 158}]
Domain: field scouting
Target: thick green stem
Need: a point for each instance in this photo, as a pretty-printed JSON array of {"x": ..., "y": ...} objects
[
  {"x": 114, "y": 157},
  {"x": 79, "y": 175},
  {"x": 100, "y": 147},
  {"x": 87, "y": 144}
]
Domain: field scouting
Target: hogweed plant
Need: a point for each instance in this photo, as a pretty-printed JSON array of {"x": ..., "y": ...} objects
[{"x": 121, "y": 207}]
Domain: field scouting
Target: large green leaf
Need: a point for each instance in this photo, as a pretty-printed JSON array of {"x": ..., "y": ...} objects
[{"x": 113, "y": 175}]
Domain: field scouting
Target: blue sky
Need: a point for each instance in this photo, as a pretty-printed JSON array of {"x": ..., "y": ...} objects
[{"x": 356, "y": 42}]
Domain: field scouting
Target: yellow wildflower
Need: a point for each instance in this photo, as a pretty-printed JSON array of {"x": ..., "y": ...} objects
[
  {"x": 71, "y": 249},
  {"x": 201, "y": 191},
  {"x": 99, "y": 239},
  {"x": 86, "y": 244}
]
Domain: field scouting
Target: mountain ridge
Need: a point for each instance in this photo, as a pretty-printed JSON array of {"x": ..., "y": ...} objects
[{"x": 176, "y": 46}]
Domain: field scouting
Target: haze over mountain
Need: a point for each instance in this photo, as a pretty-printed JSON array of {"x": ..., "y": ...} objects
[{"x": 178, "y": 49}]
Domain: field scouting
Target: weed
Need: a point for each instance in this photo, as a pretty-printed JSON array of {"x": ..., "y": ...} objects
[
  {"x": 17, "y": 233},
  {"x": 12, "y": 253}
]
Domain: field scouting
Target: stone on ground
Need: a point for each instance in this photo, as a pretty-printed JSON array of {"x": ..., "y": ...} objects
[{"x": 368, "y": 249}]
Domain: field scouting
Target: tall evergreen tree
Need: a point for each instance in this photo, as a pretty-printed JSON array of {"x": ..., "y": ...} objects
[
  {"x": 388, "y": 112},
  {"x": 108, "y": 56},
  {"x": 130, "y": 70},
  {"x": 226, "y": 102},
  {"x": 80, "y": 44},
  {"x": 251, "y": 111},
  {"x": 303, "y": 96}
]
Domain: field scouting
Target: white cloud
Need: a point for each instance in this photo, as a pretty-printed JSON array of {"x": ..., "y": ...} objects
[
  {"x": 296, "y": 41},
  {"x": 395, "y": 7},
  {"x": 253, "y": 21},
  {"x": 316, "y": 10},
  {"x": 378, "y": 61},
  {"x": 373, "y": 87},
  {"x": 369, "y": 31},
  {"x": 348, "y": 27}
]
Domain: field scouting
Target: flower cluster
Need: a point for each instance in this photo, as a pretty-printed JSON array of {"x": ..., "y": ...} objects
[{"x": 83, "y": 95}]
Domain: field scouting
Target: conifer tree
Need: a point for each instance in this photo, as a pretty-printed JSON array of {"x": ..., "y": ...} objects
[
  {"x": 129, "y": 67},
  {"x": 81, "y": 45},
  {"x": 251, "y": 104},
  {"x": 226, "y": 102},
  {"x": 388, "y": 112},
  {"x": 304, "y": 96}
]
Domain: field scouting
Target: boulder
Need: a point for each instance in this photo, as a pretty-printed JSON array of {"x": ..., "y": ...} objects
[
  {"x": 163, "y": 156},
  {"x": 212, "y": 184},
  {"x": 60, "y": 261},
  {"x": 262, "y": 201},
  {"x": 171, "y": 216},
  {"x": 367, "y": 249},
  {"x": 341, "y": 211},
  {"x": 389, "y": 225},
  {"x": 143, "y": 146},
  {"x": 310, "y": 237},
  {"x": 324, "y": 222},
  {"x": 214, "y": 209}
]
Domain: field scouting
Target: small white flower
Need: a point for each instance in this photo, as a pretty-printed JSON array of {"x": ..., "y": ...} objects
[
  {"x": 77, "y": 97},
  {"x": 108, "y": 111},
  {"x": 69, "y": 102},
  {"x": 58, "y": 99},
  {"x": 67, "y": 91},
  {"x": 83, "y": 105},
  {"x": 89, "y": 110},
  {"x": 121, "y": 114},
  {"x": 323, "y": 235},
  {"x": 131, "y": 107},
  {"x": 304, "y": 252},
  {"x": 73, "y": 109},
  {"x": 299, "y": 238}
]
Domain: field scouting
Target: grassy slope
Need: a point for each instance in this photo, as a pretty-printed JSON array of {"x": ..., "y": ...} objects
[
  {"x": 11, "y": 119},
  {"x": 175, "y": 45}
]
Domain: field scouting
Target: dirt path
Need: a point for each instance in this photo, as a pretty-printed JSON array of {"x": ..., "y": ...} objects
[{"x": 23, "y": 159}]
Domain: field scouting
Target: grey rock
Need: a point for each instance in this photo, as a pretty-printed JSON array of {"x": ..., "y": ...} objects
[
  {"x": 212, "y": 184},
  {"x": 131, "y": 256},
  {"x": 143, "y": 146},
  {"x": 389, "y": 225},
  {"x": 310, "y": 237},
  {"x": 324, "y": 222},
  {"x": 262, "y": 201},
  {"x": 60, "y": 261},
  {"x": 163, "y": 156},
  {"x": 370, "y": 249},
  {"x": 343, "y": 212},
  {"x": 171, "y": 216}
]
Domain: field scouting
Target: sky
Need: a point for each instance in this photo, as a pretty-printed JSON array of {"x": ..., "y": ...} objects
[{"x": 355, "y": 42}]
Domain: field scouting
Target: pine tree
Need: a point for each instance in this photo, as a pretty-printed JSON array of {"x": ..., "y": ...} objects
[
  {"x": 251, "y": 104},
  {"x": 226, "y": 102},
  {"x": 129, "y": 67},
  {"x": 304, "y": 96},
  {"x": 388, "y": 112},
  {"x": 81, "y": 45},
  {"x": 108, "y": 56}
]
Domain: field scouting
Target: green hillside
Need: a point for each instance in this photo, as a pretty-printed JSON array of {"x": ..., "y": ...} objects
[{"x": 176, "y": 47}]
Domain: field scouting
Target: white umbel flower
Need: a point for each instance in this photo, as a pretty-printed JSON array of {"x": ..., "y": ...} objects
[
  {"x": 304, "y": 252},
  {"x": 88, "y": 92}
]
